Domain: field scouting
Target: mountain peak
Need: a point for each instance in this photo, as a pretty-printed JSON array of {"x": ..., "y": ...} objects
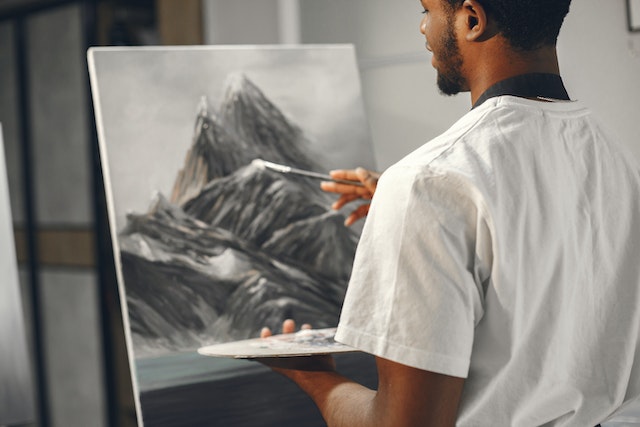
[
  {"x": 203, "y": 106},
  {"x": 214, "y": 153},
  {"x": 239, "y": 82},
  {"x": 250, "y": 114},
  {"x": 240, "y": 91}
]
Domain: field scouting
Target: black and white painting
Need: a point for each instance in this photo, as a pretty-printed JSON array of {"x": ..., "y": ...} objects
[
  {"x": 210, "y": 247},
  {"x": 16, "y": 387}
]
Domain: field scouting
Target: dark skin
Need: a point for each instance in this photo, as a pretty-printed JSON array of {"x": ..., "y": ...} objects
[
  {"x": 350, "y": 193},
  {"x": 407, "y": 396},
  {"x": 488, "y": 57}
]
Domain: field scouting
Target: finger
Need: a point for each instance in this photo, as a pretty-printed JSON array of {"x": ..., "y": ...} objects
[
  {"x": 288, "y": 326},
  {"x": 306, "y": 326},
  {"x": 265, "y": 332},
  {"x": 368, "y": 178},
  {"x": 348, "y": 174},
  {"x": 357, "y": 214},
  {"x": 343, "y": 200},
  {"x": 341, "y": 188},
  {"x": 328, "y": 186}
]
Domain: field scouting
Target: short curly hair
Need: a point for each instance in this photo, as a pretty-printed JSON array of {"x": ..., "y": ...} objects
[{"x": 526, "y": 24}]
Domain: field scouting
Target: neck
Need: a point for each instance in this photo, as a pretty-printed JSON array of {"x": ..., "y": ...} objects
[{"x": 493, "y": 65}]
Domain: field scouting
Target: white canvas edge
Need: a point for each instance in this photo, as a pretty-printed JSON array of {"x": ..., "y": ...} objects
[
  {"x": 104, "y": 161},
  {"x": 221, "y": 47}
]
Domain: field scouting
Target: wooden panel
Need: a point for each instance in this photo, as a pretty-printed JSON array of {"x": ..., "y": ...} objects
[
  {"x": 180, "y": 23},
  {"x": 59, "y": 247}
]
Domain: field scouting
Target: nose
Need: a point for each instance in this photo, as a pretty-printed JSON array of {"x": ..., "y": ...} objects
[{"x": 423, "y": 25}]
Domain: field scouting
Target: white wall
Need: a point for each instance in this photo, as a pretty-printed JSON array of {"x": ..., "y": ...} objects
[
  {"x": 600, "y": 62},
  {"x": 241, "y": 21},
  {"x": 403, "y": 104}
]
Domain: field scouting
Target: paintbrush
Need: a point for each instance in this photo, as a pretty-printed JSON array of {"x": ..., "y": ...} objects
[{"x": 263, "y": 164}]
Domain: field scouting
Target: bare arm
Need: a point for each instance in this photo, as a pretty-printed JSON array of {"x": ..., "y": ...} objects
[{"x": 406, "y": 396}]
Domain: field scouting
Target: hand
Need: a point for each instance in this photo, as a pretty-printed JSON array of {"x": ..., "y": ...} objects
[
  {"x": 288, "y": 327},
  {"x": 285, "y": 365},
  {"x": 349, "y": 193}
]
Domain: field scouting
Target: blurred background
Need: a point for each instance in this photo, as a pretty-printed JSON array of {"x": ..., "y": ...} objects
[{"x": 69, "y": 293}]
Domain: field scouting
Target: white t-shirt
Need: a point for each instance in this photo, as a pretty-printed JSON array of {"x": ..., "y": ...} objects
[{"x": 507, "y": 251}]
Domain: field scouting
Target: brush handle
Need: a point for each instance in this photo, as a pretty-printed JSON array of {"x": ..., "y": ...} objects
[
  {"x": 323, "y": 177},
  {"x": 309, "y": 174}
]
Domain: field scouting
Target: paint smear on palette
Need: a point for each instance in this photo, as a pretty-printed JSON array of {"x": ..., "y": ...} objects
[{"x": 302, "y": 343}]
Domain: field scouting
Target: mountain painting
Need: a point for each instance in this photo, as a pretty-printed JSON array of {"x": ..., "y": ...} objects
[{"x": 209, "y": 246}]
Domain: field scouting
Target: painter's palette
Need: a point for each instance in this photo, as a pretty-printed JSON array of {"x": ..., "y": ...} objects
[{"x": 307, "y": 342}]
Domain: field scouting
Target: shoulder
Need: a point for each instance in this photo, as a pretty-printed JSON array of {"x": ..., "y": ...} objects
[
  {"x": 486, "y": 138},
  {"x": 421, "y": 197},
  {"x": 475, "y": 132}
]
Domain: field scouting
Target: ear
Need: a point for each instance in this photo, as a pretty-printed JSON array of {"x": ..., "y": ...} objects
[{"x": 475, "y": 20}]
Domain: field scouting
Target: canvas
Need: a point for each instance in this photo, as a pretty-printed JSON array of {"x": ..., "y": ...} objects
[
  {"x": 209, "y": 246},
  {"x": 16, "y": 387}
]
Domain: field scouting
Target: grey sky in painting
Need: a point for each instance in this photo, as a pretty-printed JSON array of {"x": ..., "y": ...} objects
[
  {"x": 16, "y": 396},
  {"x": 148, "y": 97}
]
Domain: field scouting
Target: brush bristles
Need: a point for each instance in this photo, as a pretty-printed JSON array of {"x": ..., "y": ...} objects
[{"x": 258, "y": 163}]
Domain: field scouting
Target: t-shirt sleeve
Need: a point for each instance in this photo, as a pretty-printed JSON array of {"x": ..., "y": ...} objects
[{"x": 415, "y": 294}]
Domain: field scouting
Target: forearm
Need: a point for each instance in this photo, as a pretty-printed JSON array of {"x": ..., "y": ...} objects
[
  {"x": 342, "y": 402},
  {"x": 406, "y": 396}
]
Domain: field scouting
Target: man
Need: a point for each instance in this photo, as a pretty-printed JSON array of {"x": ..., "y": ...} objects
[{"x": 497, "y": 279}]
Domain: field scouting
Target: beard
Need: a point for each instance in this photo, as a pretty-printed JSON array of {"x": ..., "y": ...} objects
[{"x": 450, "y": 79}]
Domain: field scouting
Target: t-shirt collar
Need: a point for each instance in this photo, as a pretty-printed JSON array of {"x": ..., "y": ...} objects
[{"x": 533, "y": 85}]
